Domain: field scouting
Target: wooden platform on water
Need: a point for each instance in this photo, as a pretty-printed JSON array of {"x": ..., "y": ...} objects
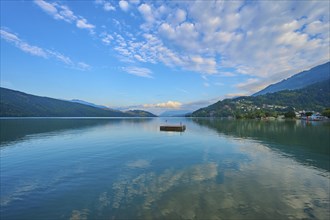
[{"x": 173, "y": 128}]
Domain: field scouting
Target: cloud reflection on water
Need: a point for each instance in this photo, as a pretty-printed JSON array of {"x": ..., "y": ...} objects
[{"x": 281, "y": 188}]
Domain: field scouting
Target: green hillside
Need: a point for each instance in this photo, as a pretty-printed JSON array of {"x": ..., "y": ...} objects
[
  {"x": 315, "y": 97},
  {"x": 19, "y": 104}
]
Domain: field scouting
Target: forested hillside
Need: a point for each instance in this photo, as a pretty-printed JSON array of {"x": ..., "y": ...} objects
[
  {"x": 19, "y": 104},
  {"x": 315, "y": 97}
]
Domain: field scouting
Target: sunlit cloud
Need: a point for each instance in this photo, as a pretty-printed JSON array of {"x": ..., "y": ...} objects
[{"x": 167, "y": 105}]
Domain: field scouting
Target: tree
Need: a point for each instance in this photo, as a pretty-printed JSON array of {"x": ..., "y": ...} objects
[
  {"x": 290, "y": 114},
  {"x": 326, "y": 112},
  {"x": 308, "y": 114}
]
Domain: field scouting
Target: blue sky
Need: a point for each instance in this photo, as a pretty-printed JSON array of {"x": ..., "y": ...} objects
[{"x": 158, "y": 55}]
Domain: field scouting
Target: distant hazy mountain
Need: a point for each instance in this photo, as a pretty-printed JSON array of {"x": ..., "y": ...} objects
[
  {"x": 88, "y": 103},
  {"x": 19, "y": 104},
  {"x": 300, "y": 80},
  {"x": 132, "y": 113},
  {"x": 140, "y": 113},
  {"x": 174, "y": 113}
]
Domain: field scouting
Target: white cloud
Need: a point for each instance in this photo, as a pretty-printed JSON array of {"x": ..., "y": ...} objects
[
  {"x": 47, "y": 7},
  {"x": 34, "y": 50},
  {"x": 153, "y": 50},
  {"x": 318, "y": 28},
  {"x": 65, "y": 13},
  {"x": 22, "y": 45},
  {"x": 60, "y": 57},
  {"x": 106, "y": 38},
  {"x": 146, "y": 11},
  {"x": 123, "y": 5},
  {"x": 202, "y": 64},
  {"x": 167, "y": 31},
  {"x": 177, "y": 16},
  {"x": 226, "y": 74},
  {"x": 139, "y": 58},
  {"x": 62, "y": 12},
  {"x": 260, "y": 39},
  {"x": 251, "y": 85},
  {"x": 83, "y": 66},
  {"x": 40, "y": 52},
  {"x": 138, "y": 71},
  {"x": 270, "y": 45},
  {"x": 167, "y": 105},
  {"x": 107, "y": 6},
  {"x": 57, "y": 11},
  {"x": 184, "y": 36},
  {"x": 180, "y": 16},
  {"x": 9, "y": 36},
  {"x": 82, "y": 23}
]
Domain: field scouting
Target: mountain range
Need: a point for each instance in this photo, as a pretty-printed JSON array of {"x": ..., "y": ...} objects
[
  {"x": 19, "y": 104},
  {"x": 175, "y": 113}
]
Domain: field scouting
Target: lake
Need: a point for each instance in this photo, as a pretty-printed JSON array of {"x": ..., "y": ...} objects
[{"x": 125, "y": 168}]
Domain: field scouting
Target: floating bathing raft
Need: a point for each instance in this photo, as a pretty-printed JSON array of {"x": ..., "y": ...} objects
[{"x": 173, "y": 128}]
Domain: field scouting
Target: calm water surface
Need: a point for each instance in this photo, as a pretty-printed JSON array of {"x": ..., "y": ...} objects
[{"x": 128, "y": 169}]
